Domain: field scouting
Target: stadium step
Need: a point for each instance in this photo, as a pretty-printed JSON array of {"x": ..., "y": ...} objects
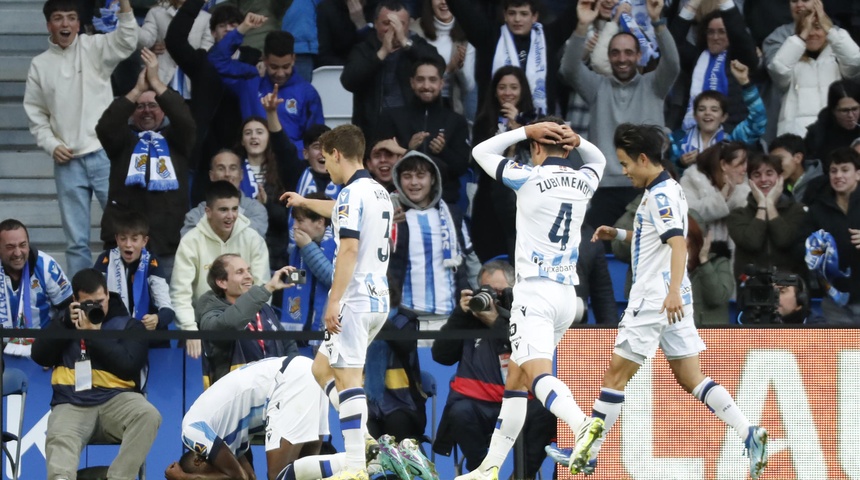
[
  {"x": 26, "y": 164},
  {"x": 43, "y": 212},
  {"x": 17, "y": 139},
  {"x": 11, "y": 91},
  {"x": 14, "y": 67},
  {"x": 12, "y": 116}
]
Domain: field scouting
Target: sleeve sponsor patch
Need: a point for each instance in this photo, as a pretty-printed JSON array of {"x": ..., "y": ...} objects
[{"x": 666, "y": 213}]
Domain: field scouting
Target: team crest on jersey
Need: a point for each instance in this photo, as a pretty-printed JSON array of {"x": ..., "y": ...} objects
[
  {"x": 343, "y": 212},
  {"x": 35, "y": 285},
  {"x": 292, "y": 106},
  {"x": 201, "y": 449}
]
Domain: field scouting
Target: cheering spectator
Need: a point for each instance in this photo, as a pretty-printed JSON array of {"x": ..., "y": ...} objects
[
  {"x": 837, "y": 125},
  {"x": 271, "y": 11},
  {"x": 818, "y": 54},
  {"x": 154, "y": 30},
  {"x": 223, "y": 230},
  {"x": 234, "y": 302},
  {"x": 797, "y": 170},
  {"x": 438, "y": 26},
  {"x": 271, "y": 168},
  {"x": 626, "y": 96},
  {"x": 68, "y": 88},
  {"x": 716, "y": 185},
  {"x": 21, "y": 269},
  {"x": 837, "y": 211},
  {"x": 301, "y": 107},
  {"x": 380, "y": 163},
  {"x": 379, "y": 69},
  {"x": 215, "y": 113},
  {"x": 226, "y": 165},
  {"x": 341, "y": 25},
  {"x": 136, "y": 276},
  {"x": 765, "y": 230},
  {"x": 509, "y": 106},
  {"x": 721, "y": 40},
  {"x": 709, "y": 112},
  {"x": 148, "y": 135},
  {"x": 426, "y": 125}
]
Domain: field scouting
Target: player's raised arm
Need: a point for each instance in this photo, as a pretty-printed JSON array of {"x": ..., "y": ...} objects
[
  {"x": 489, "y": 153},
  {"x": 320, "y": 207}
]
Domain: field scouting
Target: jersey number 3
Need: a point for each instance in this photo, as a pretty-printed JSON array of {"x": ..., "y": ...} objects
[
  {"x": 380, "y": 253},
  {"x": 561, "y": 233}
]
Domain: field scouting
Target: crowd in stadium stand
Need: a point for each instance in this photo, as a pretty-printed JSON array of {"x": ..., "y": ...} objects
[{"x": 187, "y": 120}]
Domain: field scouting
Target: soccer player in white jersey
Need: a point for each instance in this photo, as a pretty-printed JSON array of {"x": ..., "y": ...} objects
[
  {"x": 660, "y": 308},
  {"x": 278, "y": 394},
  {"x": 552, "y": 198},
  {"x": 358, "y": 300}
]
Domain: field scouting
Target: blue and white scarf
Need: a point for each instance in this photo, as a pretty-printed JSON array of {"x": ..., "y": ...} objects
[
  {"x": 639, "y": 25},
  {"x": 536, "y": 64},
  {"x": 451, "y": 255},
  {"x": 23, "y": 317},
  {"x": 822, "y": 257},
  {"x": 709, "y": 75},
  {"x": 693, "y": 140},
  {"x": 118, "y": 281},
  {"x": 108, "y": 20},
  {"x": 151, "y": 150},
  {"x": 249, "y": 185}
]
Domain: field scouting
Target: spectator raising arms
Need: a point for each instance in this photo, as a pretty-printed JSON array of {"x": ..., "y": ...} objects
[
  {"x": 721, "y": 39},
  {"x": 710, "y": 114},
  {"x": 301, "y": 106},
  {"x": 68, "y": 89},
  {"x": 818, "y": 54},
  {"x": 154, "y": 30}
]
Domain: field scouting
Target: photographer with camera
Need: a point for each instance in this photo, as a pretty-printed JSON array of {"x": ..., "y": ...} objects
[
  {"x": 235, "y": 303},
  {"x": 476, "y": 392},
  {"x": 96, "y": 382}
]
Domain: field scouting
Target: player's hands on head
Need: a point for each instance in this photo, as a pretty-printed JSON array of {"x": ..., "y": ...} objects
[
  {"x": 549, "y": 133},
  {"x": 292, "y": 199}
]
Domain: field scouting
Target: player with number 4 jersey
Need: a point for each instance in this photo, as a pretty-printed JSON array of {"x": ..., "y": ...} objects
[{"x": 552, "y": 197}]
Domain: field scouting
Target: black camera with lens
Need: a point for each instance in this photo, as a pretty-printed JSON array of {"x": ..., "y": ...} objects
[
  {"x": 758, "y": 294},
  {"x": 295, "y": 277},
  {"x": 486, "y": 296},
  {"x": 93, "y": 310}
]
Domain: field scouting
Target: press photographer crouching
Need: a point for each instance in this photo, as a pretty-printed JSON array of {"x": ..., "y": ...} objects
[
  {"x": 478, "y": 386},
  {"x": 96, "y": 382},
  {"x": 769, "y": 296}
]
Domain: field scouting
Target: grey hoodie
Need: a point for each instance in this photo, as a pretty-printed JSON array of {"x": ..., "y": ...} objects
[{"x": 435, "y": 190}]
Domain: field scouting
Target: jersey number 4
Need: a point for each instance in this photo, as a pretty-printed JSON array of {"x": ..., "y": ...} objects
[{"x": 560, "y": 231}]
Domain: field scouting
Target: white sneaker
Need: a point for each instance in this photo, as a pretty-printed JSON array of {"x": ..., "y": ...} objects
[{"x": 477, "y": 474}]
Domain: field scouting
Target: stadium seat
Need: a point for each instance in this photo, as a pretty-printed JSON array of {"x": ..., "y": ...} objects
[
  {"x": 14, "y": 384},
  {"x": 336, "y": 100},
  {"x": 428, "y": 385}
]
